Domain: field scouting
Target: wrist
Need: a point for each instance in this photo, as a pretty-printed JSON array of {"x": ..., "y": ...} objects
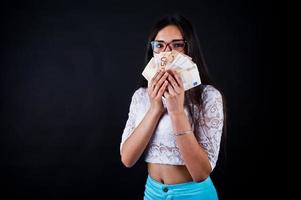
[
  {"x": 155, "y": 112},
  {"x": 177, "y": 114},
  {"x": 180, "y": 122},
  {"x": 180, "y": 133}
]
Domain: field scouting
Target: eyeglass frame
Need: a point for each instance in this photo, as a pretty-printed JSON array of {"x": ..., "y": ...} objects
[{"x": 167, "y": 44}]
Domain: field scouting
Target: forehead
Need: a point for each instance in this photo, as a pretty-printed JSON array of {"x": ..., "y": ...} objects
[{"x": 169, "y": 33}]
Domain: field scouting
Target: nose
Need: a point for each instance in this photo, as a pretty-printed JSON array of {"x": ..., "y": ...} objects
[{"x": 167, "y": 46}]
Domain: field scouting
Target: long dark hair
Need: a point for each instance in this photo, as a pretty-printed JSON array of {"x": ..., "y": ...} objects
[{"x": 193, "y": 97}]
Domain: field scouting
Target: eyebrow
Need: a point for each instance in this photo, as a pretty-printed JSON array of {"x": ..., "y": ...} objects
[{"x": 176, "y": 40}]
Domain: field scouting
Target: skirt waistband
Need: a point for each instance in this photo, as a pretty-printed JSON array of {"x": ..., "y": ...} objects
[{"x": 187, "y": 185}]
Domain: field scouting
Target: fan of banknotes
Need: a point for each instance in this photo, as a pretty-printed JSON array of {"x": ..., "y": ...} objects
[{"x": 182, "y": 63}]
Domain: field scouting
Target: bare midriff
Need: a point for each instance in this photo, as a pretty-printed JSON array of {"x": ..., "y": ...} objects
[{"x": 169, "y": 174}]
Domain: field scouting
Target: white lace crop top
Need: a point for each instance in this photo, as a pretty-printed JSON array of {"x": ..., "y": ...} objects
[{"x": 162, "y": 147}]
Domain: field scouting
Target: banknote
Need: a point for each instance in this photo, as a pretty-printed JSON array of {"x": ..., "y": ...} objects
[
  {"x": 159, "y": 61},
  {"x": 182, "y": 63},
  {"x": 164, "y": 59}
]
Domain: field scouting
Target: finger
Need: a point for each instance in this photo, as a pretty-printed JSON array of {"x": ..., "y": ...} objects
[
  {"x": 162, "y": 89},
  {"x": 166, "y": 94},
  {"x": 155, "y": 78},
  {"x": 172, "y": 81},
  {"x": 160, "y": 82},
  {"x": 174, "y": 84},
  {"x": 178, "y": 78},
  {"x": 171, "y": 91}
]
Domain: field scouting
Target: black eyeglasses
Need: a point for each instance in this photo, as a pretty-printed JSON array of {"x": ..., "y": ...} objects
[{"x": 160, "y": 45}]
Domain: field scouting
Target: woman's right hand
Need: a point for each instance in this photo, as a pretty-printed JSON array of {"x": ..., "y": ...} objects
[{"x": 156, "y": 89}]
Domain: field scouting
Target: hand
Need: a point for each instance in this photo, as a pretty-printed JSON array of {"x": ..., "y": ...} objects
[
  {"x": 156, "y": 88},
  {"x": 174, "y": 94}
]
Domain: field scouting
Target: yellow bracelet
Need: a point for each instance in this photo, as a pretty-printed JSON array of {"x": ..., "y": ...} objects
[{"x": 183, "y": 133}]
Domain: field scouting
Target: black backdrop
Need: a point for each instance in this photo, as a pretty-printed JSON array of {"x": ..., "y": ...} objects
[{"x": 68, "y": 71}]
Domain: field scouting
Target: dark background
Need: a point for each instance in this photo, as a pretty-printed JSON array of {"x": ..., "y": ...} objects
[{"x": 68, "y": 71}]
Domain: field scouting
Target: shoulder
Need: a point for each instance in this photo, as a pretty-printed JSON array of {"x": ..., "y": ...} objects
[
  {"x": 140, "y": 92},
  {"x": 213, "y": 104},
  {"x": 139, "y": 95},
  {"x": 211, "y": 93},
  {"x": 139, "y": 99}
]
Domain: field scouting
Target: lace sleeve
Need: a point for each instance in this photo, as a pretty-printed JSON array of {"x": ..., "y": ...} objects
[
  {"x": 131, "y": 121},
  {"x": 211, "y": 125}
]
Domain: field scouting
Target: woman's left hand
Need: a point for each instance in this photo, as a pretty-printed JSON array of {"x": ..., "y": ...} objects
[{"x": 174, "y": 93}]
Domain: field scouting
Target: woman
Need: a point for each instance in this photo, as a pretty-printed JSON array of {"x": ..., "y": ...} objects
[{"x": 180, "y": 136}]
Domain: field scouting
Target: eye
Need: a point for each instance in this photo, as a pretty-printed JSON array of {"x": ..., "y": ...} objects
[
  {"x": 178, "y": 45},
  {"x": 158, "y": 45}
]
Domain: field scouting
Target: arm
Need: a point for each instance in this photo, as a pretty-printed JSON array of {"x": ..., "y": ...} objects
[
  {"x": 195, "y": 158},
  {"x": 136, "y": 143},
  {"x": 195, "y": 155}
]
